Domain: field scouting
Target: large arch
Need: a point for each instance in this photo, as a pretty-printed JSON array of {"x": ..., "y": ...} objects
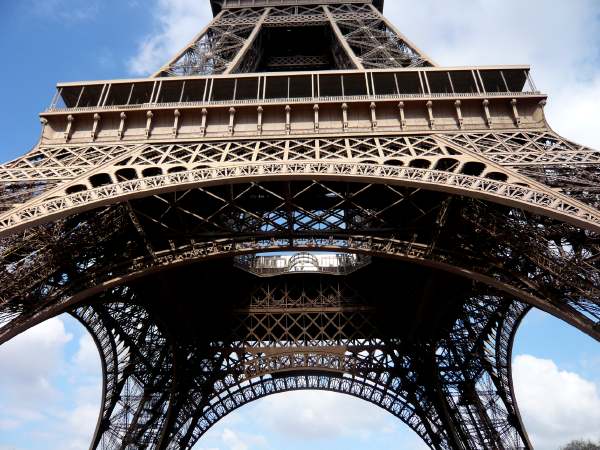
[
  {"x": 535, "y": 198},
  {"x": 93, "y": 278},
  {"x": 369, "y": 369},
  {"x": 400, "y": 250}
]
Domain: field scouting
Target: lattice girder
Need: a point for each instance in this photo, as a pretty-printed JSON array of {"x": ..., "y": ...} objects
[
  {"x": 358, "y": 359},
  {"x": 302, "y": 126},
  {"x": 229, "y": 38},
  {"x": 166, "y": 230},
  {"x": 430, "y": 162}
]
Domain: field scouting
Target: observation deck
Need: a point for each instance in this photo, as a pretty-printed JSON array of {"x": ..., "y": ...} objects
[
  {"x": 302, "y": 263},
  {"x": 295, "y": 103}
]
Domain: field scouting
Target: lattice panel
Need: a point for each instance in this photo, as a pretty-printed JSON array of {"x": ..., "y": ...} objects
[
  {"x": 371, "y": 39},
  {"x": 59, "y": 162},
  {"x": 218, "y": 378},
  {"x": 528, "y": 148},
  {"x": 213, "y": 53}
]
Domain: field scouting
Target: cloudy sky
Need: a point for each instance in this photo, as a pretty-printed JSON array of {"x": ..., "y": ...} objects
[{"x": 49, "y": 376}]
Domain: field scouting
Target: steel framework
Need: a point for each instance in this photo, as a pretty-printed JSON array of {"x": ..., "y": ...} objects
[{"x": 185, "y": 219}]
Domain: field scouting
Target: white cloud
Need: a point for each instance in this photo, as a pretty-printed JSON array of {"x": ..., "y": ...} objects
[
  {"x": 8, "y": 424},
  {"x": 557, "y": 406},
  {"x": 178, "y": 21},
  {"x": 574, "y": 110},
  {"x": 229, "y": 439},
  {"x": 322, "y": 415},
  {"x": 233, "y": 441},
  {"x": 87, "y": 358},
  {"x": 555, "y": 39},
  {"x": 48, "y": 390},
  {"x": 79, "y": 425},
  {"x": 314, "y": 419},
  {"x": 28, "y": 360}
]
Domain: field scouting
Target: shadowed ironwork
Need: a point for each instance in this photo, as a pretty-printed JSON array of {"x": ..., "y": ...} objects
[{"x": 301, "y": 199}]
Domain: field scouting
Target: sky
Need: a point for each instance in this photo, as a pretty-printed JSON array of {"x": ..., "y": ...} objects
[{"x": 50, "y": 375}]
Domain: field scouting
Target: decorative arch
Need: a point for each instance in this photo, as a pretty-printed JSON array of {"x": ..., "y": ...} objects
[
  {"x": 477, "y": 269},
  {"x": 516, "y": 194},
  {"x": 378, "y": 376},
  {"x": 271, "y": 384}
]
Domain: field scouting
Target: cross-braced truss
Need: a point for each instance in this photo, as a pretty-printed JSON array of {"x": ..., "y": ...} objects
[
  {"x": 372, "y": 218},
  {"x": 450, "y": 205},
  {"x": 168, "y": 229},
  {"x": 359, "y": 30},
  {"x": 373, "y": 40},
  {"x": 287, "y": 337}
]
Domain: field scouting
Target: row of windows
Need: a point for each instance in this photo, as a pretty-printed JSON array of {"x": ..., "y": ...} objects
[
  {"x": 294, "y": 86},
  {"x": 443, "y": 164}
]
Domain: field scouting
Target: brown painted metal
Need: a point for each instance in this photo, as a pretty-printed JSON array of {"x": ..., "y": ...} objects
[{"x": 444, "y": 201}]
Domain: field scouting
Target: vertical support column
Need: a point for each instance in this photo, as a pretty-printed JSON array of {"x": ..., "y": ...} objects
[
  {"x": 231, "y": 126},
  {"x": 288, "y": 119},
  {"x": 373, "y": 107},
  {"x": 342, "y": 40},
  {"x": 187, "y": 47},
  {"x": 149, "y": 116},
  {"x": 515, "y": 110},
  {"x": 345, "y": 116},
  {"x": 121, "y": 130},
  {"x": 204, "y": 114},
  {"x": 259, "y": 119},
  {"x": 233, "y": 65},
  {"x": 176, "y": 115},
  {"x": 456, "y": 436},
  {"x": 96, "y": 124},
  {"x": 402, "y": 115},
  {"x": 69, "y": 128}
]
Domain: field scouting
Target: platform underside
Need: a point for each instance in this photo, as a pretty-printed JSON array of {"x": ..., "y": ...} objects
[{"x": 217, "y": 5}]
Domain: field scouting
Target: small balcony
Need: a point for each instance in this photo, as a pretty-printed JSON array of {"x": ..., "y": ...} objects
[
  {"x": 302, "y": 263},
  {"x": 294, "y": 87}
]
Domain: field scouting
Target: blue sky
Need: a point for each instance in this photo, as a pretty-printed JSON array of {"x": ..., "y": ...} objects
[{"x": 49, "y": 377}]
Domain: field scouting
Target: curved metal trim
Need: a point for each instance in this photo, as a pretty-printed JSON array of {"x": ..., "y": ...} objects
[
  {"x": 550, "y": 203},
  {"x": 330, "y": 376},
  {"x": 405, "y": 251},
  {"x": 513, "y": 335},
  {"x": 97, "y": 435}
]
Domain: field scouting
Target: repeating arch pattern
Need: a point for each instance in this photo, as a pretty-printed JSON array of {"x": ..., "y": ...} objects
[
  {"x": 365, "y": 368},
  {"x": 553, "y": 204}
]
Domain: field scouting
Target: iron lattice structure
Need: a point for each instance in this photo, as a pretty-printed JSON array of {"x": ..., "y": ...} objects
[{"x": 302, "y": 199}]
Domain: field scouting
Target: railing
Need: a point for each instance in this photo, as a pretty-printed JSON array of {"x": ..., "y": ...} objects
[
  {"x": 259, "y": 3},
  {"x": 294, "y": 100},
  {"x": 349, "y": 85}
]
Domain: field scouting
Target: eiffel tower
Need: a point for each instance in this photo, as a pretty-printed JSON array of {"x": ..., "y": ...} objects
[{"x": 302, "y": 199}]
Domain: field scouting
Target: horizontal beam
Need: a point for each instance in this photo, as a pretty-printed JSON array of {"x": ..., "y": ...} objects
[
  {"x": 378, "y": 115},
  {"x": 235, "y": 4},
  {"x": 525, "y": 67},
  {"x": 539, "y": 201}
]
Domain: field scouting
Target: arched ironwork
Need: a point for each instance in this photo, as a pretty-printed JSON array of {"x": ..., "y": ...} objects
[
  {"x": 341, "y": 347},
  {"x": 151, "y": 210}
]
